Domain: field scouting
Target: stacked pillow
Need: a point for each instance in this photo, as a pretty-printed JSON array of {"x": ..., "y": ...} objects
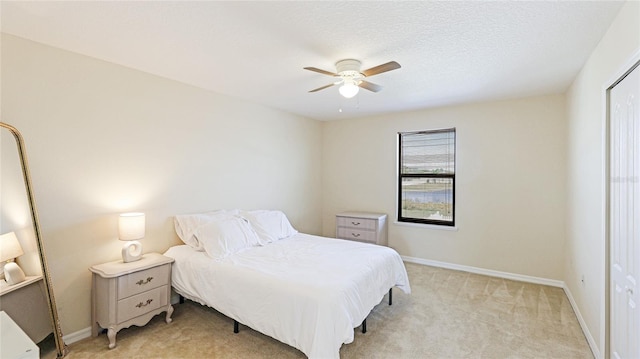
[
  {"x": 225, "y": 232},
  {"x": 270, "y": 226}
]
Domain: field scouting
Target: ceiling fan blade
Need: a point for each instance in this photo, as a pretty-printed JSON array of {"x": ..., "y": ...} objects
[
  {"x": 392, "y": 65},
  {"x": 370, "y": 86},
  {"x": 324, "y": 72},
  {"x": 322, "y": 88}
]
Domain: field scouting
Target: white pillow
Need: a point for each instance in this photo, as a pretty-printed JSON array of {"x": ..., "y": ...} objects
[
  {"x": 270, "y": 225},
  {"x": 186, "y": 225},
  {"x": 226, "y": 236}
]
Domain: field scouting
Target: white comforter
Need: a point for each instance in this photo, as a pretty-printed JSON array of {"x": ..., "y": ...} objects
[{"x": 305, "y": 291}]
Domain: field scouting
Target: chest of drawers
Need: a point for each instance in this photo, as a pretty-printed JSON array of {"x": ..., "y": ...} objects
[
  {"x": 362, "y": 227},
  {"x": 132, "y": 293}
]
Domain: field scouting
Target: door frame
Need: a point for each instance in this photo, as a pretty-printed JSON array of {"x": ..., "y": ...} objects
[{"x": 605, "y": 315}]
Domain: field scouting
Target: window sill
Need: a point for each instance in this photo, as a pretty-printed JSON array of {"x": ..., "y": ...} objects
[{"x": 427, "y": 226}]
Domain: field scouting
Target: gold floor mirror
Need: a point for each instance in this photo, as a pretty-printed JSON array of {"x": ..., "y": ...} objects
[{"x": 26, "y": 294}]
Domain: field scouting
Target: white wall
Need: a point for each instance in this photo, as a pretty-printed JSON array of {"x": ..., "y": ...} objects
[
  {"x": 103, "y": 139},
  {"x": 586, "y": 245},
  {"x": 510, "y": 192}
]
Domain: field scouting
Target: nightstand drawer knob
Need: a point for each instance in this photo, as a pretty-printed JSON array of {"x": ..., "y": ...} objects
[
  {"x": 143, "y": 282},
  {"x": 355, "y": 234},
  {"x": 140, "y": 305},
  {"x": 355, "y": 223}
]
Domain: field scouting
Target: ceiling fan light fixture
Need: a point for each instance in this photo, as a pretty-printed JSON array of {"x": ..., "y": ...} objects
[
  {"x": 350, "y": 78},
  {"x": 349, "y": 89}
]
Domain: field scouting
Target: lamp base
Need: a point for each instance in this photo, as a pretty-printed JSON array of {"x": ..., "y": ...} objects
[
  {"x": 132, "y": 251},
  {"x": 13, "y": 273}
]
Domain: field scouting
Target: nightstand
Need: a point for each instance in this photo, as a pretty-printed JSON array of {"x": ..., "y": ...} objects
[
  {"x": 362, "y": 227},
  {"x": 126, "y": 294}
]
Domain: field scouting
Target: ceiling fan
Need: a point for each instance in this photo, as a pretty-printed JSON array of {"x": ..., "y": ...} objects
[{"x": 351, "y": 78}]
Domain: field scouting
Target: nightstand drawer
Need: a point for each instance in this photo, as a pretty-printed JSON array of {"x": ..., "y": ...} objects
[
  {"x": 361, "y": 223},
  {"x": 142, "y": 303},
  {"x": 357, "y": 234},
  {"x": 143, "y": 281}
]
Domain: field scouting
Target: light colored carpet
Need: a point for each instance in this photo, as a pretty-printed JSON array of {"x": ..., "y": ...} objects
[{"x": 450, "y": 314}]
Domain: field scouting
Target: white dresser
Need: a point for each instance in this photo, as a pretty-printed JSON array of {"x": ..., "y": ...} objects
[
  {"x": 126, "y": 294},
  {"x": 362, "y": 227}
]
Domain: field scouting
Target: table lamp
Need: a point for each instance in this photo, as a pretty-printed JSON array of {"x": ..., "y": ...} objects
[
  {"x": 9, "y": 250},
  {"x": 130, "y": 229}
]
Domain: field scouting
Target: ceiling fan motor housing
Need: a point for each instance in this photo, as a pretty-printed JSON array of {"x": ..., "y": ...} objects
[
  {"x": 348, "y": 67},
  {"x": 349, "y": 71}
]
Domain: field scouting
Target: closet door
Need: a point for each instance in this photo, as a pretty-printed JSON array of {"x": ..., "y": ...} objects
[{"x": 624, "y": 220}]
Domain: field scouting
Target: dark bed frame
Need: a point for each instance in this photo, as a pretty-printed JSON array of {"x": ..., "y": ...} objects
[{"x": 236, "y": 325}]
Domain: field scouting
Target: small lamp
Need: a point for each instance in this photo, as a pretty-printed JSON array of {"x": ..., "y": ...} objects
[
  {"x": 10, "y": 249},
  {"x": 130, "y": 229}
]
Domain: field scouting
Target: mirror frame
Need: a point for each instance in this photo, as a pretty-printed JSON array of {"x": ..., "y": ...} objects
[{"x": 61, "y": 347}]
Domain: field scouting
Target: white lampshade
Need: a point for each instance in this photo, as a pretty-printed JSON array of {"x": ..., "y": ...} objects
[
  {"x": 10, "y": 249},
  {"x": 130, "y": 228},
  {"x": 349, "y": 89}
]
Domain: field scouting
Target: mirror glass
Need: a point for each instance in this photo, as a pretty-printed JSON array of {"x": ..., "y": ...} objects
[{"x": 26, "y": 301}]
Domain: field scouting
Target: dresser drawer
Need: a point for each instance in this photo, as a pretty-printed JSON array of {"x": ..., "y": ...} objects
[
  {"x": 357, "y": 234},
  {"x": 362, "y": 226},
  {"x": 143, "y": 281},
  {"x": 360, "y": 223},
  {"x": 142, "y": 303}
]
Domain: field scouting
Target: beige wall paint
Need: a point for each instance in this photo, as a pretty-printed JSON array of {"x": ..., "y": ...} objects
[
  {"x": 103, "y": 139},
  {"x": 586, "y": 245},
  {"x": 510, "y": 193}
]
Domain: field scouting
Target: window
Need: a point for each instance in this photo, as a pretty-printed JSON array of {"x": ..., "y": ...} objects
[{"x": 426, "y": 177}]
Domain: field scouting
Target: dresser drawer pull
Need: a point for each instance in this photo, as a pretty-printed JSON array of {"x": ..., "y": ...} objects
[
  {"x": 140, "y": 305},
  {"x": 355, "y": 223},
  {"x": 355, "y": 234},
  {"x": 143, "y": 282}
]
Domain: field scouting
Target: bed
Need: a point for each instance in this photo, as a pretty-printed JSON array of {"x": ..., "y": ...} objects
[{"x": 306, "y": 291}]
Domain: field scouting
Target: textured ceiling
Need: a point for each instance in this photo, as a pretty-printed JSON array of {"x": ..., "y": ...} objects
[{"x": 450, "y": 52}]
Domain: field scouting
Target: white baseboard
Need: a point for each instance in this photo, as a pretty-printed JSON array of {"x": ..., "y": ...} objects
[
  {"x": 77, "y": 336},
  {"x": 519, "y": 277},
  {"x": 592, "y": 342},
  {"x": 488, "y": 272}
]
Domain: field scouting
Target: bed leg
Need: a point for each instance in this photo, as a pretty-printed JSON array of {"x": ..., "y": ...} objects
[
  {"x": 390, "y": 296},
  {"x": 181, "y": 300},
  {"x": 235, "y": 327},
  {"x": 364, "y": 326}
]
